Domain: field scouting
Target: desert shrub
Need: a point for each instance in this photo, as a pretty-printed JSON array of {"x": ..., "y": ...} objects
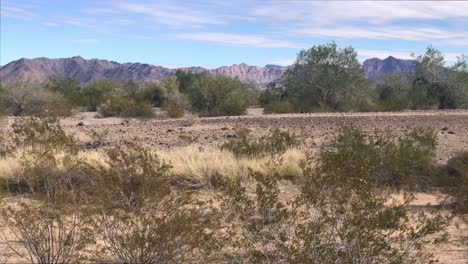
[
  {"x": 141, "y": 220},
  {"x": 437, "y": 86},
  {"x": 215, "y": 95},
  {"x": 453, "y": 179},
  {"x": 131, "y": 89},
  {"x": 192, "y": 119},
  {"x": 325, "y": 77},
  {"x": 339, "y": 217},
  {"x": 48, "y": 223},
  {"x": 123, "y": 106},
  {"x": 24, "y": 98},
  {"x": 279, "y": 107},
  {"x": 406, "y": 160},
  {"x": 356, "y": 223},
  {"x": 175, "y": 105},
  {"x": 258, "y": 228},
  {"x": 392, "y": 92},
  {"x": 98, "y": 91},
  {"x": 67, "y": 87},
  {"x": 186, "y": 79},
  {"x": 273, "y": 92},
  {"x": 276, "y": 142},
  {"x": 155, "y": 92}
]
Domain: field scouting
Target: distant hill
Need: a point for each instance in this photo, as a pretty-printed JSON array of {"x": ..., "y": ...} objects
[
  {"x": 82, "y": 70},
  {"x": 374, "y": 68}
]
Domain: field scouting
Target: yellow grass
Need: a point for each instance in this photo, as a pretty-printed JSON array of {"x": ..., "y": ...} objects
[
  {"x": 199, "y": 164},
  {"x": 7, "y": 165}
]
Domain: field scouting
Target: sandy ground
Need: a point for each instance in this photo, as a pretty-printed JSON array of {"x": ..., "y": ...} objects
[{"x": 315, "y": 130}]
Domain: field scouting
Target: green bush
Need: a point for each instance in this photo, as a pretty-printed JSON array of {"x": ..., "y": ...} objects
[
  {"x": 325, "y": 77},
  {"x": 276, "y": 142},
  {"x": 49, "y": 223},
  {"x": 392, "y": 93},
  {"x": 437, "y": 86},
  {"x": 453, "y": 179},
  {"x": 140, "y": 219},
  {"x": 214, "y": 95},
  {"x": 67, "y": 87},
  {"x": 24, "y": 98},
  {"x": 122, "y": 106},
  {"x": 155, "y": 93},
  {"x": 337, "y": 218},
  {"x": 399, "y": 161},
  {"x": 175, "y": 105},
  {"x": 282, "y": 107},
  {"x": 98, "y": 91}
]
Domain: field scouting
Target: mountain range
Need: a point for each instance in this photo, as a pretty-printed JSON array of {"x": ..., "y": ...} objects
[{"x": 83, "y": 71}]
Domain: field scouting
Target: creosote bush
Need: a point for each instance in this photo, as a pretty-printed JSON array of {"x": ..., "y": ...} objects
[
  {"x": 141, "y": 219},
  {"x": 176, "y": 104},
  {"x": 49, "y": 223},
  {"x": 339, "y": 217},
  {"x": 453, "y": 179},
  {"x": 279, "y": 107},
  {"x": 22, "y": 98},
  {"x": 398, "y": 161},
  {"x": 122, "y": 106},
  {"x": 276, "y": 142}
]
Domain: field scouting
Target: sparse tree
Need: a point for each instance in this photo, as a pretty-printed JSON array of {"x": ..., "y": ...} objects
[
  {"x": 26, "y": 98},
  {"x": 186, "y": 79},
  {"x": 96, "y": 92},
  {"x": 435, "y": 85},
  {"x": 325, "y": 77},
  {"x": 215, "y": 95},
  {"x": 67, "y": 87}
]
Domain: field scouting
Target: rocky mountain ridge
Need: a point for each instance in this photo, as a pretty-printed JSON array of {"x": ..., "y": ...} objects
[{"x": 83, "y": 70}]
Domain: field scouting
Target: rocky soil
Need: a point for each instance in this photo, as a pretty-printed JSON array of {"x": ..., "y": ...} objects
[{"x": 314, "y": 130}]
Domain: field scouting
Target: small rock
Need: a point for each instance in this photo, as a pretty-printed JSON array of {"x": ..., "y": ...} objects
[
  {"x": 80, "y": 124},
  {"x": 451, "y": 132},
  {"x": 444, "y": 128}
]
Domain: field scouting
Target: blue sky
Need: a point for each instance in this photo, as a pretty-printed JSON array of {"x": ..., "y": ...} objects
[{"x": 213, "y": 33}]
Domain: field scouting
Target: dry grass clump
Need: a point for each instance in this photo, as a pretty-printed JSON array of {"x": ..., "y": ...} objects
[
  {"x": 198, "y": 166},
  {"x": 203, "y": 167}
]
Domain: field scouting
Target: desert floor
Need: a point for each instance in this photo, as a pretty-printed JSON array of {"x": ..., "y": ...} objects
[{"x": 315, "y": 131}]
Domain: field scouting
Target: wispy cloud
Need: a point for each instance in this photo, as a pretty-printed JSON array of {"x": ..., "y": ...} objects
[
  {"x": 49, "y": 24},
  {"x": 384, "y": 32},
  {"x": 237, "y": 40},
  {"x": 401, "y": 20},
  {"x": 258, "y": 24},
  {"x": 283, "y": 61},
  {"x": 85, "y": 40},
  {"x": 16, "y": 12},
  {"x": 169, "y": 14},
  {"x": 369, "y": 11}
]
